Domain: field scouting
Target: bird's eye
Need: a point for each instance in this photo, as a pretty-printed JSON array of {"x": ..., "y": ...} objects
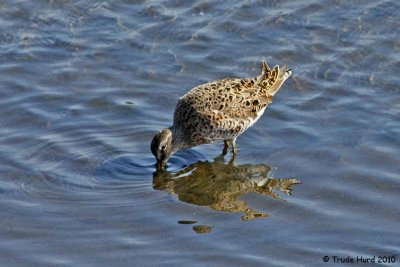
[{"x": 163, "y": 147}]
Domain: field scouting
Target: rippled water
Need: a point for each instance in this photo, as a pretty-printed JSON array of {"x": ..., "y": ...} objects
[{"x": 86, "y": 84}]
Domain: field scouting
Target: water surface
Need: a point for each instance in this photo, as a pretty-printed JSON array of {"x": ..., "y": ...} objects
[{"x": 86, "y": 84}]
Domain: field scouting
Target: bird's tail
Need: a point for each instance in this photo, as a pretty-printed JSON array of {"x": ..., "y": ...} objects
[{"x": 271, "y": 80}]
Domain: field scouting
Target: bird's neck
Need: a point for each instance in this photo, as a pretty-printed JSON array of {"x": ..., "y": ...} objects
[{"x": 179, "y": 140}]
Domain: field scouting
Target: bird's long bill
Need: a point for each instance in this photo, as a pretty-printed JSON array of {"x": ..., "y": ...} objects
[{"x": 160, "y": 165}]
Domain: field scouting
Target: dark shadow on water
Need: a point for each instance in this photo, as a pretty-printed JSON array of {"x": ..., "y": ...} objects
[{"x": 219, "y": 185}]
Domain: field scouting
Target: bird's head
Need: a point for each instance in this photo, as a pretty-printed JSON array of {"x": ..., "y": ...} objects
[{"x": 161, "y": 147}]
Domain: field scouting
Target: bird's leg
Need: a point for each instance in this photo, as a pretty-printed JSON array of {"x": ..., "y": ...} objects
[
  {"x": 232, "y": 160},
  {"x": 226, "y": 147},
  {"x": 234, "y": 147}
]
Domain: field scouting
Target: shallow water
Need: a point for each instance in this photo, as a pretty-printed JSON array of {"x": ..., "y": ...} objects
[{"x": 86, "y": 84}]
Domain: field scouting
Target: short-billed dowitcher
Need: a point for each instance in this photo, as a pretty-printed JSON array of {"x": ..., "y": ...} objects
[{"x": 218, "y": 110}]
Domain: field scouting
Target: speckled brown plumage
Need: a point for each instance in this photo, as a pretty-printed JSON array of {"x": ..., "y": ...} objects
[{"x": 219, "y": 110}]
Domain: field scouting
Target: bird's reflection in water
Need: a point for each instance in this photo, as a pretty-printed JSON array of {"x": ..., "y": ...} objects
[{"x": 219, "y": 185}]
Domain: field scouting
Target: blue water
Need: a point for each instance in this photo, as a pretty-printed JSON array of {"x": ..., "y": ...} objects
[{"x": 84, "y": 86}]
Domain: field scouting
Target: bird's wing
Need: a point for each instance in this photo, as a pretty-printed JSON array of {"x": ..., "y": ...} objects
[
  {"x": 229, "y": 99},
  {"x": 232, "y": 99}
]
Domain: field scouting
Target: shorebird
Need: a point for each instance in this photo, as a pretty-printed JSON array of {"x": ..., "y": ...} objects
[{"x": 218, "y": 111}]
